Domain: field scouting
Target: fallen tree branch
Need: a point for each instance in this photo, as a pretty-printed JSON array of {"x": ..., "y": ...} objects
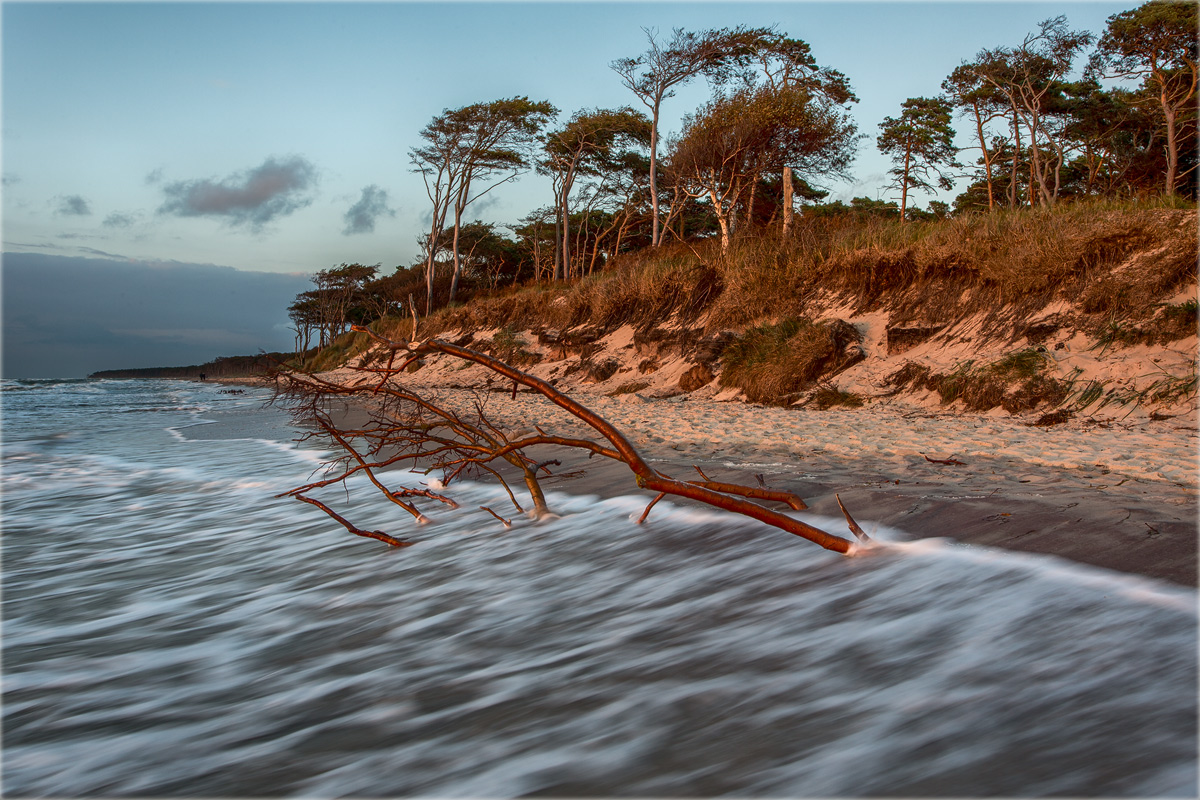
[
  {"x": 507, "y": 523},
  {"x": 653, "y": 503},
  {"x": 854, "y": 527},
  {"x": 380, "y": 535},
  {"x": 424, "y": 430}
]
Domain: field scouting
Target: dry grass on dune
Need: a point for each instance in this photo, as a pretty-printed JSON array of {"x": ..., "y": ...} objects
[
  {"x": 1116, "y": 269},
  {"x": 920, "y": 269},
  {"x": 1117, "y": 266}
]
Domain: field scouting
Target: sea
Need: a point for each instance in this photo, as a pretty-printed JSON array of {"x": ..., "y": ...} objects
[{"x": 172, "y": 628}]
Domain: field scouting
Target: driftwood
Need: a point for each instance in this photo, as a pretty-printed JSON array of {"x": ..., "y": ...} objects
[
  {"x": 405, "y": 427},
  {"x": 952, "y": 462}
]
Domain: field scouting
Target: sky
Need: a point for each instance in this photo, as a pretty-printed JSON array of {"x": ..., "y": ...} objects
[{"x": 274, "y": 137}]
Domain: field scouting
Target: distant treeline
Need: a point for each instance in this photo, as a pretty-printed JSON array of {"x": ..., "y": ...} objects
[{"x": 226, "y": 367}]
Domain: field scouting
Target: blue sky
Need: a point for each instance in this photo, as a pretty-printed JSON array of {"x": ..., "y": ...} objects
[{"x": 248, "y": 135}]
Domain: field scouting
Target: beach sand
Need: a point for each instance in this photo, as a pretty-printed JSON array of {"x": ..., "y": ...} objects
[{"x": 1118, "y": 494}]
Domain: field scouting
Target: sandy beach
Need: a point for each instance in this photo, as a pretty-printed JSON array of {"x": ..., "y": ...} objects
[{"x": 1115, "y": 493}]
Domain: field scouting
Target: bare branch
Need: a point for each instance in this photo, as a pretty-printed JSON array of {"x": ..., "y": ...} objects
[
  {"x": 407, "y": 427},
  {"x": 507, "y": 523},
  {"x": 854, "y": 527},
  {"x": 380, "y": 535},
  {"x": 653, "y": 503}
]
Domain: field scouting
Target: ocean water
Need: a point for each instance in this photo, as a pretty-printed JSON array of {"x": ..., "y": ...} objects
[{"x": 172, "y": 629}]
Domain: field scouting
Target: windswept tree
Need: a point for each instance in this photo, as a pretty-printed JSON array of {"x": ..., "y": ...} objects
[
  {"x": 538, "y": 242},
  {"x": 970, "y": 93},
  {"x": 339, "y": 290},
  {"x": 735, "y": 139},
  {"x": 305, "y": 314},
  {"x": 331, "y": 307},
  {"x": 920, "y": 143},
  {"x": 589, "y": 143},
  {"x": 438, "y": 164},
  {"x": 1158, "y": 43},
  {"x": 468, "y": 152},
  {"x": 498, "y": 147},
  {"x": 654, "y": 74},
  {"x": 777, "y": 63},
  {"x": 1031, "y": 77}
]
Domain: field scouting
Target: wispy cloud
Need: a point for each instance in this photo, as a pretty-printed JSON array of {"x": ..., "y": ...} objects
[
  {"x": 91, "y": 251},
  {"x": 253, "y": 197},
  {"x": 115, "y": 220},
  {"x": 73, "y": 206},
  {"x": 362, "y": 215},
  {"x": 10, "y": 178}
]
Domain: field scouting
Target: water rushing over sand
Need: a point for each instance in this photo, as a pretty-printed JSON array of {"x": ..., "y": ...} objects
[{"x": 171, "y": 629}]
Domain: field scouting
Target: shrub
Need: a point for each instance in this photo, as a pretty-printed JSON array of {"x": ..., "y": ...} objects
[
  {"x": 508, "y": 345},
  {"x": 339, "y": 351},
  {"x": 1178, "y": 322},
  {"x": 984, "y": 388},
  {"x": 773, "y": 363}
]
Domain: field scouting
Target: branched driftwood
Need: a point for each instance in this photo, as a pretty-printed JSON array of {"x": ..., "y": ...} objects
[{"x": 404, "y": 427}]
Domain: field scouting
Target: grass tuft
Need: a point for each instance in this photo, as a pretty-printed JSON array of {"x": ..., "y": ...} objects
[
  {"x": 829, "y": 396},
  {"x": 981, "y": 388}
]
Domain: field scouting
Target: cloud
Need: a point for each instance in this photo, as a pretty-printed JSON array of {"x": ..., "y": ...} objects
[
  {"x": 253, "y": 198},
  {"x": 115, "y": 220},
  {"x": 154, "y": 176},
  {"x": 362, "y": 215},
  {"x": 482, "y": 204},
  {"x": 10, "y": 179},
  {"x": 91, "y": 251},
  {"x": 74, "y": 205}
]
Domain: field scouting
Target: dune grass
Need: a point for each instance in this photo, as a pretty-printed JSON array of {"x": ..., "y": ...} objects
[
  {"x": 1014, "y": 257},
  {"x": 1118, "y": 262}
]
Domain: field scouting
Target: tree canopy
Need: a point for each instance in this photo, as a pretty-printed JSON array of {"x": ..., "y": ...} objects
[{"x": 921, "y": 144}]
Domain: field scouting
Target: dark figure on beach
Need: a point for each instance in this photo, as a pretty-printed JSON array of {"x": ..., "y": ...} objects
[{"x": 201, "y": 376}]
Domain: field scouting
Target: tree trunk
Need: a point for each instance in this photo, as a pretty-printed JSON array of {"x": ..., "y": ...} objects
[
  {"x": 722, "y": 219},
  {"x": 1012, "y": 181},
  {"x": 581, "y": 238},
  {"x": 750, "y": 203},
  {"x": 987, "y": 157},
  {"x": 457, "y": 259},
  {"x": 429, "y": 267},
  {"x": 565, "y": 213},
  {"x": 787, "y": 200},
  {"x": 904, "y": 179},
  {"x": 655, "y": 237},
  {"x": 1172, "y": 146},
  {"x": 558, "y": 273},
  {"x": 1037, "y": 166}
]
